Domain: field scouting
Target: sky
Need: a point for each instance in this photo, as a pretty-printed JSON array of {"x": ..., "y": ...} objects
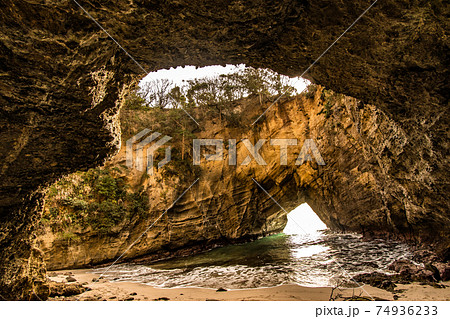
[{"x": 177, "y": 75}]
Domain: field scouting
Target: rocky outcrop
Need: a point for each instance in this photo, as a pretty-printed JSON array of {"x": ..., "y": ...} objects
[
  {"x": 63, "y": 79},
  {"x": 24, "y": 271},
  {"x": 58, "y": 289},
  {"x": 352, "y": 192},
  {"x": 428, "y": 271}
]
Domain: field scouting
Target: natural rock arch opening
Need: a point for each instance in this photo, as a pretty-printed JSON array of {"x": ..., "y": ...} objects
[
  {"x": 64, "y": 81},
  {"x": 303, "y": 219}
]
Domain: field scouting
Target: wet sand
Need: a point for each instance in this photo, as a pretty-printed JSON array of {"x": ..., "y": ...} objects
[{"x": 104, "y": 290}]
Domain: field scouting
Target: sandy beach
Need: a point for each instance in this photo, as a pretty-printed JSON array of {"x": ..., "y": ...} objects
[{"x": 128, "y": 291}]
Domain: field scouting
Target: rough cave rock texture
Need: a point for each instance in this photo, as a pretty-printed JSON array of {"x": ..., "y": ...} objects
[{"x": 63, "y": 80}]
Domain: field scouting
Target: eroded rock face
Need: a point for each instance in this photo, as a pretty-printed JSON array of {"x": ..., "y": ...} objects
[
  {"x": 351, "y": 192},
  {"x": 23, "y": 269},
  {"x": 62, "y": 81}
]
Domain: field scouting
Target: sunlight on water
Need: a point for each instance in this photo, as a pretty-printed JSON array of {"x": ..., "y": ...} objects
[
  {"x": 304, "y": 223},
  {"x": 309, "y": 255},
  {"x": 308, "y": 251}
]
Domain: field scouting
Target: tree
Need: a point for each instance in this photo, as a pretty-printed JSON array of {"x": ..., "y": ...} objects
[
  {"x": 135, "y": 101},
  {"x": 257, "y": 82},
  {"x": 178, "y": 97},
  {"x": 216, "y": 91},
  {"x": 205, "y": 91},
  {"x": 232, "y": 86},
  {"x": 156, "y": 92},
  {"x": 279, "y": 85}
]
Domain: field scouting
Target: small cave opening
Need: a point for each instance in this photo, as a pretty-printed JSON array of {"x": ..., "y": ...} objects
[{"x": 302, "y": 221}]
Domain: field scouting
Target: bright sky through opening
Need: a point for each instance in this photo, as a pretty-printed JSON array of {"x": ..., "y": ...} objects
[
  {"x": 180, "y": 74},
  {"x": 304, "y": 217}
]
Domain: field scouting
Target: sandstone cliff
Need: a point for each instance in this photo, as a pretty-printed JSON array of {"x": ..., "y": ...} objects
[{"x": 351, "y": 192}]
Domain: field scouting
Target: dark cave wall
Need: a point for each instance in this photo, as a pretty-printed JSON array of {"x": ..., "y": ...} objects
[{"x": 62, "y": 81}]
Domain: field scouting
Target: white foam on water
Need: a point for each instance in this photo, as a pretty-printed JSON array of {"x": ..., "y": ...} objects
[{"x": 272, "y": 261}]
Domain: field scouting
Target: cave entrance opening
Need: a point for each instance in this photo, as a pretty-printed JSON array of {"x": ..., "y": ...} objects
[
  {"x": 303, "y": 220},
  {"x": 191, "y": 85}
]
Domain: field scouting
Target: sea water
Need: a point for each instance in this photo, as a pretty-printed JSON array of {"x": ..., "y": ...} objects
[{"x": 316, "y": 259}]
